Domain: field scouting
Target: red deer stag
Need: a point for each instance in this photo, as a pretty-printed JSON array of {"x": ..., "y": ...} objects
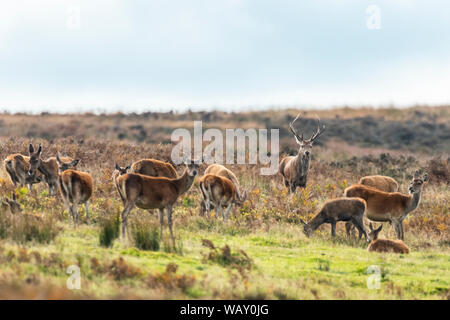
[{"x": 294, "y": 169}]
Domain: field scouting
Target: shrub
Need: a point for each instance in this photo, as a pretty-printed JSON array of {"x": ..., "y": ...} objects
[
  {"x": 109, "y": 229},
  {"x": 145, "y": 234}
]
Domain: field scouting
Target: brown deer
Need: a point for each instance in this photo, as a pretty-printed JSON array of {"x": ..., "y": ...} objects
[
  {"x": 385, "y": 245},
  {"x": 154, "y": 168},
  {"x": 383, "y": 183},
  {"x": 11, "y": 205},
  {"x": 220, "y": 170},
  {"x": 17, "y": 166},
  {"x": 75, "y": 187},
  {"x": 389, "y": 206},
  {"x": 294, "y": 169},
  {"x": 49, "y": 167},
  {"x": 147, "y": 192},
  {"x": 219, "y": 191},
  {"x": 340, "y": 209}
]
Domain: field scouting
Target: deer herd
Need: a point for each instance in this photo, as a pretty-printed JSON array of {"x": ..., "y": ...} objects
[{"x": 153, "y": 184}]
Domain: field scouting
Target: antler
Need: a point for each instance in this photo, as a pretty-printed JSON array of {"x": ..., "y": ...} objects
[
  {"x": 291, "y": 127},
  {"x": 318, "y": 132}
]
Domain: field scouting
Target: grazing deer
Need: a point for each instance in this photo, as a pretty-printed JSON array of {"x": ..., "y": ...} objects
[
  {"x": 147, "y": 192},
  {"x": 340, "y": 209},
  {"x": 385, "y": 245},
  {"x": 383, "y": 183},
  {"x": 11, "y": 204},
  {"x": 154, "y": 168},
  {"x": 389, "y": 206},
  {"x": 17, "y": 167},
  {"x": 219, "y": 191},
  {"x": 294, "y": 169},
  {"x": 219, "y": 170},
  {"x": 75, "y": 187},
  {"x": 49, "y": 167}
]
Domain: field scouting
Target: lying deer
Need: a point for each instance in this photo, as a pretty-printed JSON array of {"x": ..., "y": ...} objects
[
  {"x": 147, "y": 192},
  {"x": 75, "y": 187},
  {"x": 294, "y": 169},
  {"x": 220, "y": 192},
  {"x": 340, "y": 209},
  {"x": 389, "y": 206},
  {"x": 385, "y": 245},
  {"x": 11, "y": 205}
]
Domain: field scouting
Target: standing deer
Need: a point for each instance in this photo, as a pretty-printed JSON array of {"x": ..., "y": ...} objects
[
  {"x": 294, "y": 169},
  {"x": 383, "y": 183},
  {"x": 385, "y": 245},
  {"x": 49, "y": 167},
  {"x": 219, "y": 170},
  {"x": 154, "y": 168},
  {"x": 17, "y": 167},
  {"x": 147, "y": 192},
  {"x": 219, "y": 191},
  {"x": 75, "y": 187},
  {"x": 389, "y": 206},
  {"x": 340, "y": 209}
]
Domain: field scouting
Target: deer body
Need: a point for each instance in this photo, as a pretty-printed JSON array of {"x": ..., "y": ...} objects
[
  {"x": 340, "y": 209},
  {"x": 17, "y": 166},
  {"x": 153, "y": 168},
  {"x": 383, "y": 183},
  {"x": 294, "y": 169},
  {"x": 220, "y": 192},
  {"x": 147, "y": 192},
  {"x": 389, "y": 206},
  {"x": 385, "y": 245}
]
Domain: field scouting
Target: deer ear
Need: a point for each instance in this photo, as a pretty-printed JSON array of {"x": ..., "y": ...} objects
[
  {"x": 425, "y": 177},
  {"x": 14, "y": 196},
  {"x": 379, "y": 228},
  {"x": 370, "y": 226},
  {"x": 30, "y": 148},
  {"x": 303, "y": 222},
  {"x": 39, "y": 149},
  {"x": 117, "y": 167},
  {"x": 75, "y": 162},
  {"x": 128, "y": 168}
]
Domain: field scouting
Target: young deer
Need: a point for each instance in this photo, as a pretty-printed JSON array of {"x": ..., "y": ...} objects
[
  {"x": 383, "y": 183},
  {"x": 340, "y": 209},
  {"x": 154, "y": 168},
  {"x": 219, "y": 170},
  {"x": 17, "y": 167},
  {"x": 11, "y": 205},
  {"x": 220, "y": 192},
  {"x": 147, "y": 192},
  {"x": 49, "y": 167},
  {"x": 75, "y": 187},
  {"x": 389, "y": 206},
  {"x": 294, "y": 169},
  {"x": 385, "y": 245}
]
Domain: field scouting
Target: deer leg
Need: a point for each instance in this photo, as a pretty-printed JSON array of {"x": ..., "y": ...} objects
[
  {"x": 161, "y": 222},
  {"x": 227, "y": 211},
  {"x": 169, "y": 220},
  {"x": 292, "y": 188},
  {"x": 358, "y": 222},
  {"x": 75, "y": 212},
  {"x": 333, "y": 228},
  {"x": 396, "y": 226},
  {"x": 124, "y": 217},
  {"x": 400, "y": 226},
  {"x": 349, "y": 228}
]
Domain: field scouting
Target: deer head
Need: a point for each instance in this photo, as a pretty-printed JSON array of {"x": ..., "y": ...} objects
[
  {"x": 305, "y": 145},
  {"x": 373, "y": 234},
  {"x": 417, "y": 183},
  {"x": 122, "y": 170},
  {"x": 63, "y": 166},
  {"x": 35, "y": 159}
]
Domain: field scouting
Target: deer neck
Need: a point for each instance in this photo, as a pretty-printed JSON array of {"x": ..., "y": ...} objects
[
  {"x": 184, "y": 182},
  {"x": 302, "y": 162},
  {"x": 413, "y": 202},
  {"x": 43, "y": 167},
  {"x": 316, "y": 221}
]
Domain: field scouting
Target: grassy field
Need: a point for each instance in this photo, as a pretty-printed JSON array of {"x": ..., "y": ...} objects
[{"x": 261, "y": 253}]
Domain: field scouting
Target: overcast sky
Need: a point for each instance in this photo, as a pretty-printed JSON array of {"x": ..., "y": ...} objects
[{"x": 109, "y": 55}]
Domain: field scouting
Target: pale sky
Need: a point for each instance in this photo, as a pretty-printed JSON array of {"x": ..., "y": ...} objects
[{"x": 225, "y": 54}]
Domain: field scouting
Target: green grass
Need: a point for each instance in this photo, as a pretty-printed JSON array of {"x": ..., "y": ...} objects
[{"x": 285, "y": 265}]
